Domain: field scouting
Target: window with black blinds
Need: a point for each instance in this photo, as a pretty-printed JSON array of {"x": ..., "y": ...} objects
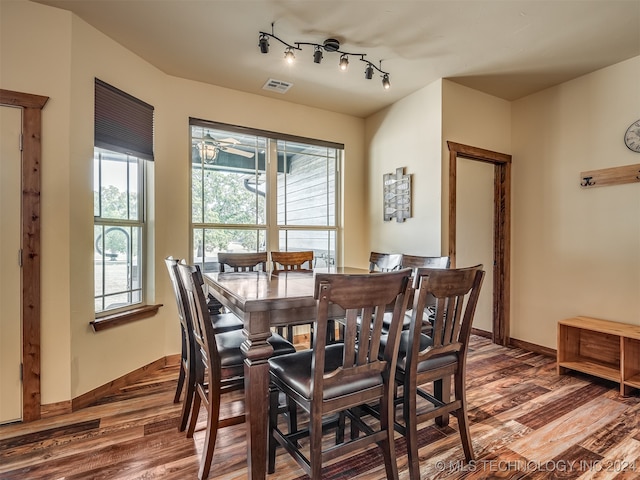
[{"x": 123, "y": 123}]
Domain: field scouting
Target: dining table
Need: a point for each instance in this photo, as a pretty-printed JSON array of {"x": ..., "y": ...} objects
[{"x": 264, "y": 300}]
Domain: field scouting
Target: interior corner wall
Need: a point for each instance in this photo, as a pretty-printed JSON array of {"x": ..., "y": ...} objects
[
  {"x": 64, "y": 56},
  {"x": 407, "y": 134},
  {"x": 575, "y": 251}
]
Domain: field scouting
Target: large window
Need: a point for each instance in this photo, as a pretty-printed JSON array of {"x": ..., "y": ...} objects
[
  {"x": 255, "y": 191},
  {"x": 122, "y": 146},
  {"x": 118, "y": 229}
]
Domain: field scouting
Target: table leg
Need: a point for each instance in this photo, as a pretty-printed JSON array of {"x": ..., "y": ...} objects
[{"x": 257, "y": 351}]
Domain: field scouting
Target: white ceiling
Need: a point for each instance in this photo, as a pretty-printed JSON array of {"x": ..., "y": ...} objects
[{"x": 507, "y": 48}]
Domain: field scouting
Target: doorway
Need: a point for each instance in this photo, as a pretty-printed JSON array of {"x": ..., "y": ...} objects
[
  {"x": 10, "y": 314},
  {"x": 31, "y": 106},
  {"x": 501, "y": 228}
]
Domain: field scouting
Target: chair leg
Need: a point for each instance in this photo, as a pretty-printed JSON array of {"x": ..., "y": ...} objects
[
  {"x": 273, "y": 423},
  {"x": 187, "y": 405},
  {"x": 193, "y": 415},
  {"x": 181, "y": 376},
  {"x": 442, "y": 391},
  {"x": 315, "y": 447},
  {"x": 388, "y": 445},
  {"x": 411, "y": 428},
  {"x": 213, "y": 416},
  {"x": 463, "y": 420}
]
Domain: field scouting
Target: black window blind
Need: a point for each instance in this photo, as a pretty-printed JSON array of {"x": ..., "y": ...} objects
[{"x": 123, "y": 123}]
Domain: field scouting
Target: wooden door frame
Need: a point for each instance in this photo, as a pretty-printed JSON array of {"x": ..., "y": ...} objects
[
  {"x": 502, "y": 229},
  {"x": 31, "y": 106}
]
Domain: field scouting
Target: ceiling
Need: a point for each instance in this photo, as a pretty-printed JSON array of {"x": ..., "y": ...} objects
[{"x": 506, "y": 48}]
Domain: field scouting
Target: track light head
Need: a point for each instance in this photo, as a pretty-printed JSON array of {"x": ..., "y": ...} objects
[
  {"x": 317, "y": 55},
  {"x": 344, "y": 62},
  {"x": 386, "y": 83},
  {"x": 368, "y": 73},
  {"x": 263, "y": 43},
  {"x": 289, "y": 56}
]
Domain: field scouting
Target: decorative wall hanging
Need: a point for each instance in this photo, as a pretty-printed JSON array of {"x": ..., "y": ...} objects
[
  {"x": 397, "y": 195},
  {"x": 610, "y": 176}
]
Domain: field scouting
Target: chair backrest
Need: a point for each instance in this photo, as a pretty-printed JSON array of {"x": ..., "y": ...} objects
[
  {"x": 203, "y": 333},
  {"x": 243, "y": 262},
  {"x": 360, "y": 296},
  {"x": 384, "y": 262},
  {"x": 456, "y": 292},
  {"x": 416, "y": 261},
  {"x": 178, "y": 290},
  {"x": 286, "y": 261}
]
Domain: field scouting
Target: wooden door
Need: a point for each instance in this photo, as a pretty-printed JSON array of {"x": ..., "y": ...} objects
[{"x": 10, "y": 295}]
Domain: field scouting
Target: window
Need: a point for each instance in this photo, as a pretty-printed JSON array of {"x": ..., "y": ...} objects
[
  {"x": 123, "y": 141},
  {"x": 255, "y": 191}
]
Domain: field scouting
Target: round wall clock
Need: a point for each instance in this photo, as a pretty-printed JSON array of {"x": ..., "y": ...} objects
[{"x": 632, "y": 137}]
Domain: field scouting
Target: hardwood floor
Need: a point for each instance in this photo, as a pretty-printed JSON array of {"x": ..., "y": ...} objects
[{"x": 526, "y": 422}]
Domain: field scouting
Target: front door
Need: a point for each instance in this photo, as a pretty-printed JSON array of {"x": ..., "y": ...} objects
[{"x": 10, "y": 275}]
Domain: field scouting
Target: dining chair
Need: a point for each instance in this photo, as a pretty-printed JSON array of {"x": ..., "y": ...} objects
[
  {"x": 288, "y": 261},
  {"x": 438, "y": 358},
  {"x": 219, "y": 366},
  {"x": 338, "y": 378},
  {"x": 187, "y": 365},
  {"x": 384, "y": 262},
  {"x": 221, "y": 323},
  {"x": 242, "y": 262}
]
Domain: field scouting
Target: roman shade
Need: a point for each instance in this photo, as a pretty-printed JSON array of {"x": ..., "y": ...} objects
[{"x": 123, "y": 123}]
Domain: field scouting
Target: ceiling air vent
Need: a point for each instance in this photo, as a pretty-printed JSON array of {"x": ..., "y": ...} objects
[{"x": 279, "y": 86}]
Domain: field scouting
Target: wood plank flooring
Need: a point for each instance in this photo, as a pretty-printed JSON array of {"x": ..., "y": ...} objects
[{"x": 526, "y": 422}]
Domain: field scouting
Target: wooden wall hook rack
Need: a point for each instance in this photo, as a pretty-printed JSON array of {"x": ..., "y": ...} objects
[{"x": 610, "y": 176}]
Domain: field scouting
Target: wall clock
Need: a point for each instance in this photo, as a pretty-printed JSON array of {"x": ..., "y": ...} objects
[{"x": 632, "y": 137}]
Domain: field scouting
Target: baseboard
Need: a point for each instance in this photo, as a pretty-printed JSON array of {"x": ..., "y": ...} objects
[
  {"x": 55, "y": 409},
  {"x": 532, "y": 347},
  {"x": 514, "y": 342},
  {"x": 87, "y": 399}
]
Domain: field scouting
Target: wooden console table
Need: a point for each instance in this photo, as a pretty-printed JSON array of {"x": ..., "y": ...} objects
[{"x": 601, "y": 348}]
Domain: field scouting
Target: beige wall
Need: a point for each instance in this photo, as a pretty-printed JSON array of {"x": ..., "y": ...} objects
[
  {"x": 576, "y": 251},
  {"x": 407, "y": 134},
  {"x": 64, "y": 55}
]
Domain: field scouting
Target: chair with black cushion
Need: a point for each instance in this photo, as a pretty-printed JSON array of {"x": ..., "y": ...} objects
[
  {"x": 438, "y": 358},
  {"x": 384, "y": 262},
  {"x": 242, "y": 262},
  {"x": 331, "y": 382},
  {"x": 414, "y": 262},
  {"x": 291, "y": 261},
  {"x": 187, "y": 365},
  {"x": 219, "y": 363}
]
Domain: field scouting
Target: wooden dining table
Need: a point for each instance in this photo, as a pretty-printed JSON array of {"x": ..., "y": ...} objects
[{"x": 264, "y": 300}]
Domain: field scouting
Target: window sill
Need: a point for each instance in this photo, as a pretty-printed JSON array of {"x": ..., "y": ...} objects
[{"x": 122, "y": 318}]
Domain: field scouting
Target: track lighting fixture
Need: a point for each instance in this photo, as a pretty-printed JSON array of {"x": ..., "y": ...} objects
[
  {"x": 368, "y": 73},
  {"x": 264, "y": 44},
  {"x": 329, "y": 45},
  {"x": 385, "y": 81},
  {"x": 344, "y": 62},
  {"x": 289, "y": 56},
  {"x": 317, "y": 55}
]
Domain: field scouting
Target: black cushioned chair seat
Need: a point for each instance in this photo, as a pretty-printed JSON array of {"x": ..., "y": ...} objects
[
  {"x": 425, "y": 341},
  {"x": 295, "y": 371},
  {"x": 228, "y": 344},
  {"x": 226, "y": 322}
]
